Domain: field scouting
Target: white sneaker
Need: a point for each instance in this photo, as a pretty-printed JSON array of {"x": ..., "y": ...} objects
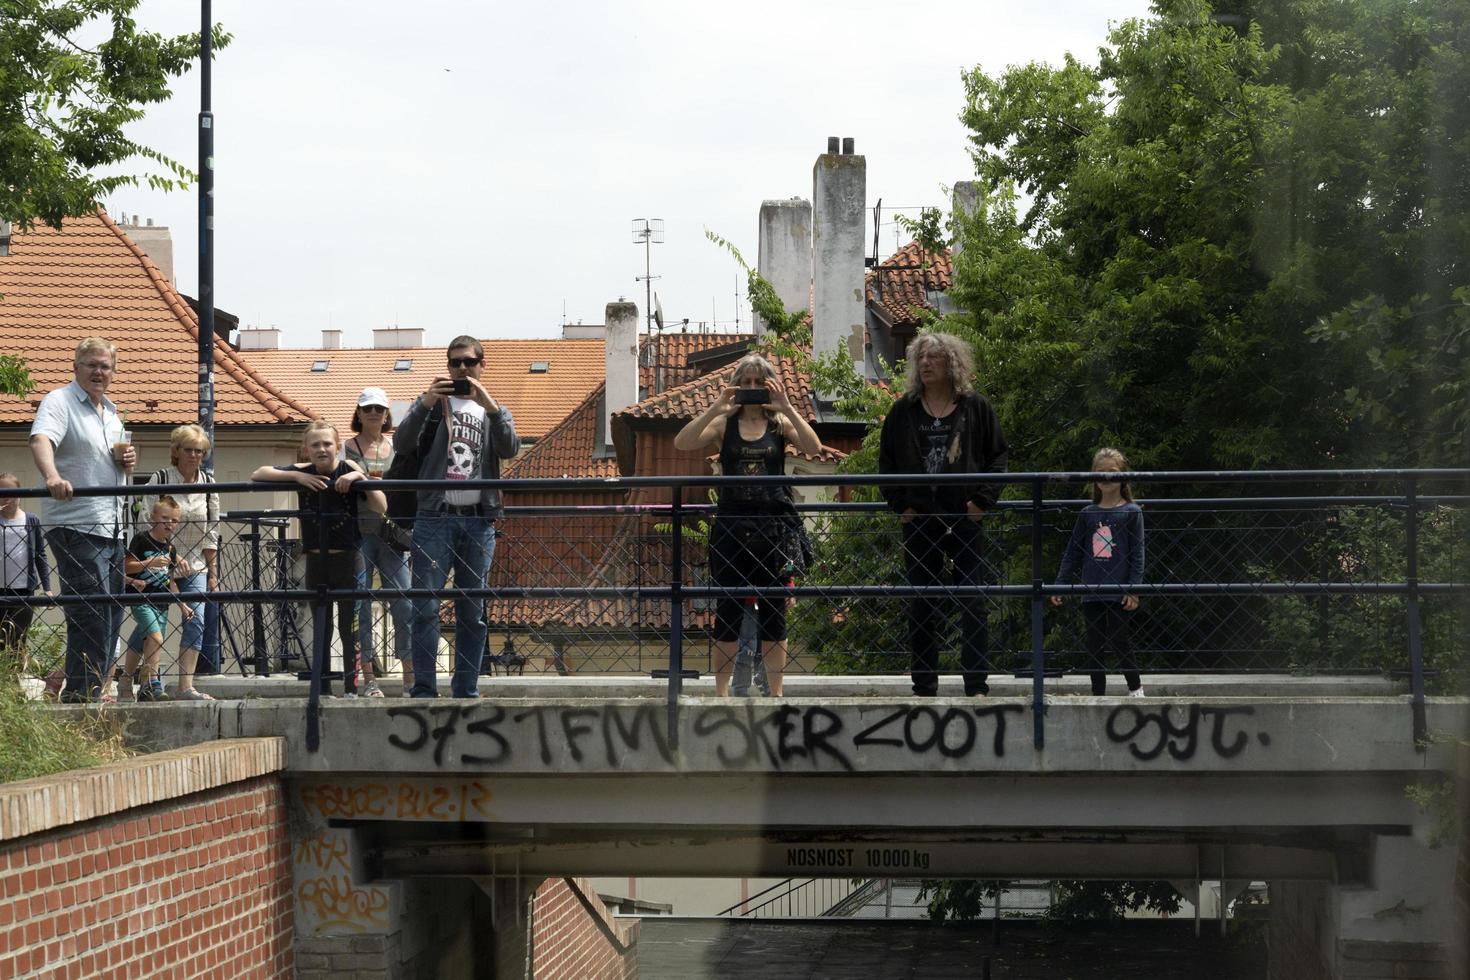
[{"x": 1137, "y": 692}]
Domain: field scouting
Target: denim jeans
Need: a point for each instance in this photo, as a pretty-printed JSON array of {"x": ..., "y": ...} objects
[
  {"x": 750, "y": 666},
  {"x": 392, "y": 567},
  {"x": 191, "y": 632},
  {"x": 88, "y": 564},
  {"x": 930, "y": 541},
  {"x": 442, "y": 543}
]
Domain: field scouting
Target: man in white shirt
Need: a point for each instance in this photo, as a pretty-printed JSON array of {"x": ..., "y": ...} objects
[
  {"x": 72, "y": 443},
  {"x": 460, "y": 433}
]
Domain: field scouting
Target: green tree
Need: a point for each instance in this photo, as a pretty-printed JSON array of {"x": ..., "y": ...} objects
[
  {"x": 1244, "y": 239},
  {"x": 65, "y": 103}
]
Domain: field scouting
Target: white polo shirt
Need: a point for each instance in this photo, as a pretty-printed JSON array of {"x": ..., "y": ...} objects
[{"x": 81, "y": 439}]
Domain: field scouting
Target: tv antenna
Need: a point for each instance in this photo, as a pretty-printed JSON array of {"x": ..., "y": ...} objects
[{"x": 648, "y": 232}]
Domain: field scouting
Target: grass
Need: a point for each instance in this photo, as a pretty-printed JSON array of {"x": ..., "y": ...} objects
[{"x": 38, "y": 740}]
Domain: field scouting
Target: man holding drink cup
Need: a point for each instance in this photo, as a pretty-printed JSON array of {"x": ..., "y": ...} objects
[{"x": 78, "y": 440}]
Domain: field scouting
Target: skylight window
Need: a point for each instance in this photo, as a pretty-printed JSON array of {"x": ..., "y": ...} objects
[
  {"x": 540, "y": 367},
  {"x": 403, "y": 364},
  {"x": 319, "y": 365}
]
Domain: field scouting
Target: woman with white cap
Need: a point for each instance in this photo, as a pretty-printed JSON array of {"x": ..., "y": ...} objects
[{"x": 371, "y": 447}]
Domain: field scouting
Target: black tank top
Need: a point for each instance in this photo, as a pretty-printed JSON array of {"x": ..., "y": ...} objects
[{"x": 765, "y": 456}]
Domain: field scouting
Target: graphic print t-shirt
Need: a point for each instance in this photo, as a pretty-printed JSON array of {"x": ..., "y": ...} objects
[
  {"x": 144, "y": 547},
  {"x": 934, "y": 437},
  {"x": 466, "y": 447}
]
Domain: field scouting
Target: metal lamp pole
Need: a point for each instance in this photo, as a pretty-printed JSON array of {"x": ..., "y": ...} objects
[{"x": 206, "y": 231}]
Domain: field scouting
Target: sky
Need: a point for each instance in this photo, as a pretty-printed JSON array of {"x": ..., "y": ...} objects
[{"x": 476, "y": 167}]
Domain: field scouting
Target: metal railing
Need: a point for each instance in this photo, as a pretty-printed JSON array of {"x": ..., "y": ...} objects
[{"x": 1350, "y": 571}]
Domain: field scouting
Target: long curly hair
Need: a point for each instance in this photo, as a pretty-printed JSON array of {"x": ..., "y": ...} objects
[{"x": 958, "y": 361}]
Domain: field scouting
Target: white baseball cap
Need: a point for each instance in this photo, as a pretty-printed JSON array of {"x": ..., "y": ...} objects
[{"x": 373, "y": 396}]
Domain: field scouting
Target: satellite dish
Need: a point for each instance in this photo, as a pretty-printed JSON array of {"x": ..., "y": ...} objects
[{"x": 658, "y": 312}]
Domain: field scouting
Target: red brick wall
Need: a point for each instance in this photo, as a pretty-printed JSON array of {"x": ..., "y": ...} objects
[
  {"x": 197, "y": 887},
  {"x": 575, "y": 938}
]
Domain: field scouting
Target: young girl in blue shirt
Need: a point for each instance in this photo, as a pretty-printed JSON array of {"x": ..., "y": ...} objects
[{"x": 1107, "y": 544}]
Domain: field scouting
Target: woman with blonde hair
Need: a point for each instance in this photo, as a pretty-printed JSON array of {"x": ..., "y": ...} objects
[
  {"x": 754, "y": 543},
  {"x": 941, "y": 424},
  {"x": 197, "y": 544}
]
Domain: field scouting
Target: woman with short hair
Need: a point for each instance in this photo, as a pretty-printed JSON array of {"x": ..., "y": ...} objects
[
  {"x": 941, "y": 424},
  {"x": 196, "y": 541}
]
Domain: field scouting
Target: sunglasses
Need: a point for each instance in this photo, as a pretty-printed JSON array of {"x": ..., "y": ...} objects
[
  {"x": 372, "y": 408},
  {"x": 464, "y": 362}
]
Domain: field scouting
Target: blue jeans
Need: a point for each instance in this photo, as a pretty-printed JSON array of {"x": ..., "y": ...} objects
[
  {"x": 441, "y": 543},
  {"x": 192, "y": 632},
  {"x": 392, "y": 566},
  {"x": 88, "y": 564}
]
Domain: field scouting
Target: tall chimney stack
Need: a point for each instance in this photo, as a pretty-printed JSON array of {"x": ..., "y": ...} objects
[
  {"x": 839, "y": 200},
  {"x": 784, "y": 256},
  {"x": 620, "y": 360}
]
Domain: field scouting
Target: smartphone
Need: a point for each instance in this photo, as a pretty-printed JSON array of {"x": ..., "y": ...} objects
[
  {"x": 752, "y": 396},
  {"x": 461, "y": 387}
]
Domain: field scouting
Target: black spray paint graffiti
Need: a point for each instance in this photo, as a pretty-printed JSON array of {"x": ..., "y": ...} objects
[
  {"x": 441, "y": 724},
  {"x": 1129, "y": 723},
  {"x": 743, "y": 736}
]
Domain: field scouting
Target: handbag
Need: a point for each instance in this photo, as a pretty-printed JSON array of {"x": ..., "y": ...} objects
[{"x": 404, "y": 504}]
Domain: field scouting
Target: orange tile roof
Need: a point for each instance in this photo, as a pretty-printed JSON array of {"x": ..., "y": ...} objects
[
  {"x": 537, "y": 401},
  {"x": 567, "y": 450},
  {"x": 90, "y": 279},
  {"x": 896, "y": 287}
]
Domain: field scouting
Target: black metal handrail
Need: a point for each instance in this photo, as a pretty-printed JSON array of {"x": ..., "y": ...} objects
[{"x": 679, "y": 587}]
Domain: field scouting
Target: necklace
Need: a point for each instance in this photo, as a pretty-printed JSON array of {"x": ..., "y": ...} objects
[{"x": 944, "y": 409}]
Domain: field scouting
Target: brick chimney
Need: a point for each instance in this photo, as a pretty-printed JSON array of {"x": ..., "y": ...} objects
[
  {"x": 784, "y": 257},
  {"x": 620, "y": 359},
  {"x": 839, "y": 202}
]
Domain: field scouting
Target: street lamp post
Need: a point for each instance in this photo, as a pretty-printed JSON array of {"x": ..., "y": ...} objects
[{"x": 206, "y": 231}]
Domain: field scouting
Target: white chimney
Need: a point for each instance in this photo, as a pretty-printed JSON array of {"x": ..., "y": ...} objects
[
  {"x": 620, "y": 358},
  {"x": 784, "y": 256},
  {"x": 157, "y": 243},
  {"x": 965, "y": 199},
  {"x": 582, "y": 331},
  {"x": 839, "y": 201},
  {"x": 331, "y": 339},
  {"x": 259, "y": 338},
  {"x": 394, "y": 338}
]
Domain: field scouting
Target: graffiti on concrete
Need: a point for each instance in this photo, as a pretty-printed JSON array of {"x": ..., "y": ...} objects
[
  {"x": 403, "y": 799},
  {"x": 741, "y": 736},
  {"x": 1149, "y": 733},
  {"x": 327, "y": 900}
]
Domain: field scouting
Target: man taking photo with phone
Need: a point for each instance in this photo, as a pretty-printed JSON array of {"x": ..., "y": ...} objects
[{"x": 459, "y": 432}]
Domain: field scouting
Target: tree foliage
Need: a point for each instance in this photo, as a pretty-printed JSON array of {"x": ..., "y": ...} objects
[
  {"x": 65, "y": 103},
  {"x": 1243, "y": 239}
]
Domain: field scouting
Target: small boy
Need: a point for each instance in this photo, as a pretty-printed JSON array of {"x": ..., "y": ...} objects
[
  {"x": 23, "y": 569},
  {"x": 150, "y": 567}
]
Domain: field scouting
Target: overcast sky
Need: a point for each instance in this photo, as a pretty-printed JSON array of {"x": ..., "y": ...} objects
[{"x": 475, "y": 167}]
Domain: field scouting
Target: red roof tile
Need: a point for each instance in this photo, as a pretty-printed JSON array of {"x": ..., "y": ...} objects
[
  {"x": 90, "y": 279},
  {"x": 568, "y": 449},
  {"x": 896, "y": 287}
]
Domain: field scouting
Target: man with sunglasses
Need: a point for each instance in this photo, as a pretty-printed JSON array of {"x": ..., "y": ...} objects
[{"x": 460, "y": 432}]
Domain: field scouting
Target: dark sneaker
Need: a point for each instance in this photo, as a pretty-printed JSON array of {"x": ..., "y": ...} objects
[{"x": 151, "y": 692}]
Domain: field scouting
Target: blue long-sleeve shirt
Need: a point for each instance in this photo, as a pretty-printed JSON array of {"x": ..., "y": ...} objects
[{"x": 1107, "y": 543}]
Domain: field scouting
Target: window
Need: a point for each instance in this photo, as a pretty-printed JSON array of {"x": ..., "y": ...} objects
[
  {"x": 540, "y": 367},
  {"x": 319, "y": 365},
  {"x": 403, "y": 364}
]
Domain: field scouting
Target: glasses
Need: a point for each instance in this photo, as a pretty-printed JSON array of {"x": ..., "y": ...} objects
[
  {"x": 465, "y": 362},
  {"x": 372, "y": 408}
]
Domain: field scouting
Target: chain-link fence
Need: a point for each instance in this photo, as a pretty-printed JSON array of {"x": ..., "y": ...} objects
[{"x": 1360, "y": 572}]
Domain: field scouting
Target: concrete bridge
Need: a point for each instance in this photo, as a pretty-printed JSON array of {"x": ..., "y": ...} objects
[{"x": 407, "y": 804}]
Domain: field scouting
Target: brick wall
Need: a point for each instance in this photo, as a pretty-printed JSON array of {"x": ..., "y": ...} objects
[
  {"x": 192, "y": 886},
  {"x": 575, "y": 937}
]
